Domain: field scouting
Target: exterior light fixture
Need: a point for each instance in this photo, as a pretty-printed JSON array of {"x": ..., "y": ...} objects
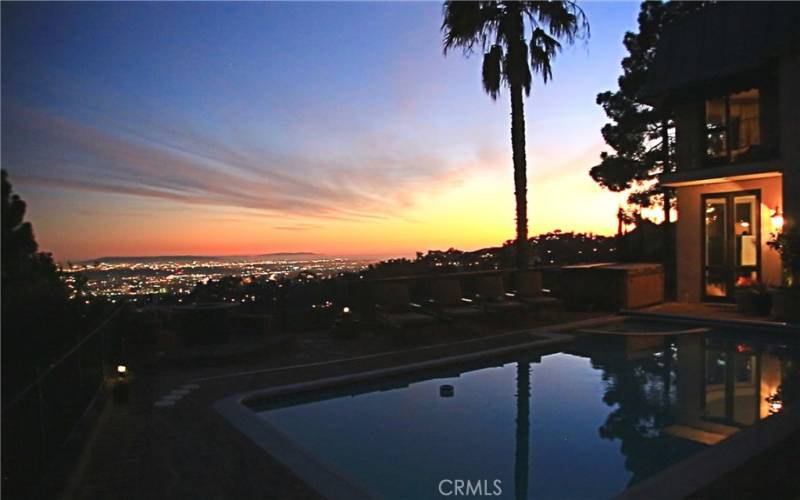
[
  {"x": 122, "y": 370},
  {"x": 775, "y": 402},
  {"x": 777, "y": 219},
  {"x": 346, "y": 310}
]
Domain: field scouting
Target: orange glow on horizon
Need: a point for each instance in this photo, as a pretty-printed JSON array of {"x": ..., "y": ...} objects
[{"x": 473, "y": 213}]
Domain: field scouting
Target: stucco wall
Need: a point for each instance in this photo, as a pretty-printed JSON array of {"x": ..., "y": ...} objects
[
  {"x": 789, "y": 97},
  {"x": 689, "y": 232}
]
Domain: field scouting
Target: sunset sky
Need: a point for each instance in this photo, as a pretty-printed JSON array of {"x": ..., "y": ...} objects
[{"x": 242, "y": 128}]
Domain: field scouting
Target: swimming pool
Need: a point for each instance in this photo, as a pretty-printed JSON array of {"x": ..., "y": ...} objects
[{"x": 602, "y": 414}]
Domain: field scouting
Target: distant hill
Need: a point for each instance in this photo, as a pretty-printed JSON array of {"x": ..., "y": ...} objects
[{"x": 189, "y": 258}]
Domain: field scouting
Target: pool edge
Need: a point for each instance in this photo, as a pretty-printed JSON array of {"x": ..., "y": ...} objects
[
  {"x": 318, "y": 475},
  {"x": 778, "y": 327}
]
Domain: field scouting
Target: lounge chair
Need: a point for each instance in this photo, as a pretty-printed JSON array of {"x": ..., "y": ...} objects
[
  {"x": 394, "y": 308},
  {"x": 448, "y": 302},
  {"x": 491, "y": 293},
  {"x": 528, "y": 290}
]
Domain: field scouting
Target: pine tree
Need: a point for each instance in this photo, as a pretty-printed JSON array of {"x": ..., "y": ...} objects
[{"x": 638, "y": 133}]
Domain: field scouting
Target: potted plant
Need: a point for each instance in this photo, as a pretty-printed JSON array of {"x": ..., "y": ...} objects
[
  {"x": 786, "y": 299},
  {"x": 753, "y": 298}
]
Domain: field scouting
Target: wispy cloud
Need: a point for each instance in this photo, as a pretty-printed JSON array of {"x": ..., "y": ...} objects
[
  {"x": 183, "y": 166},
  {"x": 297, "y": 227}
]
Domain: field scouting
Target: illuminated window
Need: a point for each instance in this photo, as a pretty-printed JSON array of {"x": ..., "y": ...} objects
[{"x": 732, "y": 126}]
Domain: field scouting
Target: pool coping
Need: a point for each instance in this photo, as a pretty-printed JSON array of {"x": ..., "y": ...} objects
[
  {"x": 779, "y": 327},
  {"x": 547, "y": 329},
  {"x": 323, "y": 477}
]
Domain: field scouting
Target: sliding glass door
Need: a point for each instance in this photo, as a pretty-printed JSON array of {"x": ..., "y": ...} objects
[{"x": 731, "y": 243}]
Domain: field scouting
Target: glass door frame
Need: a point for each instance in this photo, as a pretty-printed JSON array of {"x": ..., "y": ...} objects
[
  {"x": 730, "y": 240},
  {"x": 728, "y": 349}
]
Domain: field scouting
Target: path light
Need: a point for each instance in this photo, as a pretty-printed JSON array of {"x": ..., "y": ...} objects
[
  {"x": 346, "y": 325},
  {"x": 121, "y": 389},
  {"x": 777, "y": 219}
]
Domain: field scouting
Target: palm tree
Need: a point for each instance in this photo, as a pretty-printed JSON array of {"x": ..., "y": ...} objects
[
  {"x": 499, "y": 29},
  {"x": 523, "y": 427}
]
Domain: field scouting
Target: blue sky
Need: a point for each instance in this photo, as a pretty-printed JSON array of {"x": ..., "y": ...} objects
[{"x": 304, "y": 122}]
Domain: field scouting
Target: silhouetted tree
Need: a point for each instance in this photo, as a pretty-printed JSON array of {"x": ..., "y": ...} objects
[
  {"x": 20, "y": 258},
  {"x": 639, "y": 133},
  {"x": 34, "y": 299},
  {"x": 498, "y": 28}
]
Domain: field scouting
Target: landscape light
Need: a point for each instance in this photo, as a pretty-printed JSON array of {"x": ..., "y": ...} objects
[{"x": 777, "y": 219}]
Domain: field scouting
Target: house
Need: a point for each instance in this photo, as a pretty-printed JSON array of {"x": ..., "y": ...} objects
[{"x": 730, "y": 76}]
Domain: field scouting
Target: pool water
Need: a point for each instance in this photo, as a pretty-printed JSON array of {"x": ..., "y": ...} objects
[{"x": 587, "y": 422}]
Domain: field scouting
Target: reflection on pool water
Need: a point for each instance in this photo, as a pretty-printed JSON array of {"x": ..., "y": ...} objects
[{"x": 587, "y": 422}]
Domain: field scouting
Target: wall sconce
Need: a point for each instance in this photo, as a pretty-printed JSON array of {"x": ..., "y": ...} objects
[
  {"x": 777, "y": 219},
  {"x": 774, "y": 402}
]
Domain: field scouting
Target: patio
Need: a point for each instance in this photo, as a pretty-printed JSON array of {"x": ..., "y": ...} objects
[{"x": 139, "y": 450}]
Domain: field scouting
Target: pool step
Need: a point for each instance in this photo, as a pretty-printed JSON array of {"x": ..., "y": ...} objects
[
  {"x": 695, "y": 434},
  {"x": 725, "y": 430}
]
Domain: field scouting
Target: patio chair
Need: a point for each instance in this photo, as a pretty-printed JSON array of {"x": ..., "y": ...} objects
[
  {"x": 528, "y": 290},
  {"x": 393, "y": 307},
  {"x": 448, "y": 303},
  {"x": 491, "y": 293}
]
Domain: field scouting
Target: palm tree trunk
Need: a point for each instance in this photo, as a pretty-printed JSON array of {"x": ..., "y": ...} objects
[
  {"x": 522, "y": 452},
  {"x": 520, "y": 174}
]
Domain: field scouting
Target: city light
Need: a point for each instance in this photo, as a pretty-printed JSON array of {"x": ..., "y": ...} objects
[{"x": 170, "y": 277}]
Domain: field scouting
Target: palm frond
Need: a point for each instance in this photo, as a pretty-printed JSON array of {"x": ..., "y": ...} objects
[
  {"x": 467, "y": 24},
  {"x": 498, "y": 26},
  {"x": 492, "y": 71},
  {"x": 543, "y": 50},
  {"x": 527, "y": 78},
  {"x": 563, "y": 19}
]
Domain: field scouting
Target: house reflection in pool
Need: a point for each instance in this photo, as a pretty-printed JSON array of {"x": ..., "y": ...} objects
[
  {"x": 674, "y": 395},
  {"x": 730, "y": 387}
]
